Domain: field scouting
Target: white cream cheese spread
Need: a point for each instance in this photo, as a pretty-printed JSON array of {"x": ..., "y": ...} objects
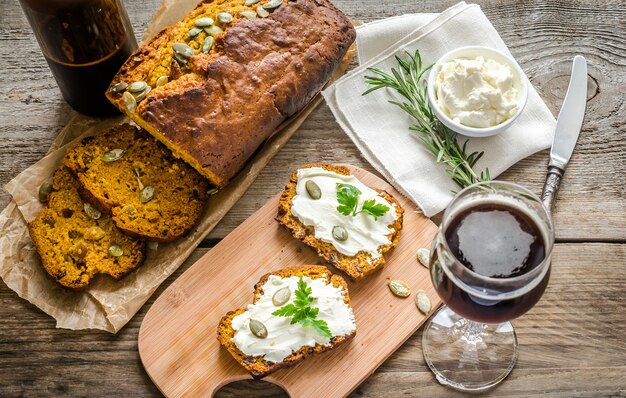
[
  {"x": 476, "y": 92},
  {"x": 365, "y": 233},
  {"x": 282, "y": 337}
]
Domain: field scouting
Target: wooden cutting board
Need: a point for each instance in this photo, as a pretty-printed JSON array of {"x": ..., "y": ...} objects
[{"x": 178, "y": 339}]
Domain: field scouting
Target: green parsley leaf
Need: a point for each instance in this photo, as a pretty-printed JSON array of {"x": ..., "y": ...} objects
[
  {"x": 301, "y": 311},
  {"x": 374, "y": 209},
  {"x": 348, "y": 199}
]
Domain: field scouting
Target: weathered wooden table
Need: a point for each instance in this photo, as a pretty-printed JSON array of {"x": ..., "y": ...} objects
[{"x": 573, "y": 343}]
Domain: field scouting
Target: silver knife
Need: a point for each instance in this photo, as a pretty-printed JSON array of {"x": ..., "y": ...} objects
[{"x": 568, "y": 127}]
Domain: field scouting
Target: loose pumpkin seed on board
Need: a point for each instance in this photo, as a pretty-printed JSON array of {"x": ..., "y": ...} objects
[
  {"x": 423, "y": 256},
  {"x": 399, "y": 288},
  {"x": 423, "y": 302}
]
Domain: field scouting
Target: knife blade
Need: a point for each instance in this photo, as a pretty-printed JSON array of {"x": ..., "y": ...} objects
[{"x": 568, "y": 126}]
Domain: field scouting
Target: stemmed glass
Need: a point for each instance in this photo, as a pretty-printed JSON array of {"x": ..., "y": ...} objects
[{"x": 470, "y": 344}]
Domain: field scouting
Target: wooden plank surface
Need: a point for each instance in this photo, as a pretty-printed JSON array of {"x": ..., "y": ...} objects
[{"x": 572, "y": 343}]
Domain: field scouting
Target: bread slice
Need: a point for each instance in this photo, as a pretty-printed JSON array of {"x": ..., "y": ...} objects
[
  {"x": 115, "y": 187},
  {"x": 356, "y": 267},
  {"x": 257, "y": 365},
  {"x": 73, "y": 246},
  {"x": 220, "y": 103}
]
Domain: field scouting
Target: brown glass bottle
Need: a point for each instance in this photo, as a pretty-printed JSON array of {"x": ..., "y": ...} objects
[{"x": 85, "y": 43}]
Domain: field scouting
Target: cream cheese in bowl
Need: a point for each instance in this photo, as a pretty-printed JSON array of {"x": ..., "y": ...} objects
[{"x": 477, "y": 91}]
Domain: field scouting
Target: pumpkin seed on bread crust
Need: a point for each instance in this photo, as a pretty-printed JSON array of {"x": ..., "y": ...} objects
[
  {"x": 149, "y": 193},
  {"x": 73, "y": 246},
  {"x": 356, "y": 267},
  {"x": 256, "y": 365}
]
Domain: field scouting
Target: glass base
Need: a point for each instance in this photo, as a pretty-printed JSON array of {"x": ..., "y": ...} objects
[{"x": 467, "y": 355}]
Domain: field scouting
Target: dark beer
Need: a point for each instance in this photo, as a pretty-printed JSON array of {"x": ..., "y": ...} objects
[
  {"x": 495, "y": 241},
  {"x": 85, "y": 43}
]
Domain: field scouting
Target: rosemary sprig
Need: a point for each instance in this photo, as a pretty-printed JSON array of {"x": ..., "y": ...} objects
[{"x": 441, "y": 141}]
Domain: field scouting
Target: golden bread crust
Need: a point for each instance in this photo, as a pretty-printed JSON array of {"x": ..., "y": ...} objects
[{"x": 219, "y": 107}]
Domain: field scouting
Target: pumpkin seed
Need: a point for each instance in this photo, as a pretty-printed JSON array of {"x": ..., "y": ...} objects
[
  {"x": 262, "y": 12},
  {"x": 183, "y": 50},
  {"x": 248, "y": 3},
  {"x": 119, "y": 87},
  {"x": 208, "y": 43},
  {"x": 137, "y": 87},
  {"x": 203, "y": 22},
  {"x": 116, "y": 250},
  {"x": 45, "y": 190},
  {"x": 91, "y": 211},
  {"x": 193, "y": 32},
  {"x": 423, "y": 256},
  {"x": 212, "y": 191},
  {"x": 224, "y": 17},
  {"x": 423, "y": 302},
  {"x": 399, "y": 288},
  {"x": 140, "y": 96},
  {"x": 313, "y": 190},
  {"x": 258, "y": 328},
  {"x": 281, "y": 296},
  {"x": 181, "y": 59},
  {"x": 248, "y": 14},
  {"x": 129, "y": 101},
  {"x": 147, "y": 194},
  {"x": 162, "y": 81},
  {"x": 112, "y": 155},
  {"x": 213, "y": 30},
  {"x": 272, "y": 4},
  {"x": 94, "y": 233},
  {"x": 340, "y": 233}
]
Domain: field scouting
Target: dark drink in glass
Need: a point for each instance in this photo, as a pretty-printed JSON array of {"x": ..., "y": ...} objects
[
  {"x": 515, "y": 246},
  {"x": 85, "y": 42},
  {"x": 490, "y": 263}
]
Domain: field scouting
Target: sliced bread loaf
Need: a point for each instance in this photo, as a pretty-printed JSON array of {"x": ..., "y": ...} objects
[
  {"x": 235, "y": 328},
  {"x": 125, "y": 172},
  {"x": 77, "y": 242}
]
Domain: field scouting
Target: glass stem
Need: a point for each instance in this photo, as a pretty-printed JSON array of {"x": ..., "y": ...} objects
[{"x": 472, "y": 331}]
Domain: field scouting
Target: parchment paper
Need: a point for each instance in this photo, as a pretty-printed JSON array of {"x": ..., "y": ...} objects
[{"x": 108, "y": 304}]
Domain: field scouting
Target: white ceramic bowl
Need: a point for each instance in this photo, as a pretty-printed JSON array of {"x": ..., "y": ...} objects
[{"x": 472, "y": 52}]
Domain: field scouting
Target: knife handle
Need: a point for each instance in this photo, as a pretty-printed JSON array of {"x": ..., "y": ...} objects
[{"x": 551, "y": 186}]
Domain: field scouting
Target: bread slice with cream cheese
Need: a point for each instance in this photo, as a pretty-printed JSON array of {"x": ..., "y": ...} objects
[
  {"x": 234, "y": 326},
  {"x": 357, "y": 262}
]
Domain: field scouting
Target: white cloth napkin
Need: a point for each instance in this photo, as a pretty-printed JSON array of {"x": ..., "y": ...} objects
[{"x": 381, "y": 130}]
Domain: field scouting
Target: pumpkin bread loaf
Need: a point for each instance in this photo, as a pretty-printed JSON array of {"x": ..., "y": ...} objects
[
  {"x": 257, "y": 366},
  {"x": 76, "y": 242},
  {"x": 214, "y": 86},
  {"x": 356, "y": 267},
  {"x": 125, "y": 172}
]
